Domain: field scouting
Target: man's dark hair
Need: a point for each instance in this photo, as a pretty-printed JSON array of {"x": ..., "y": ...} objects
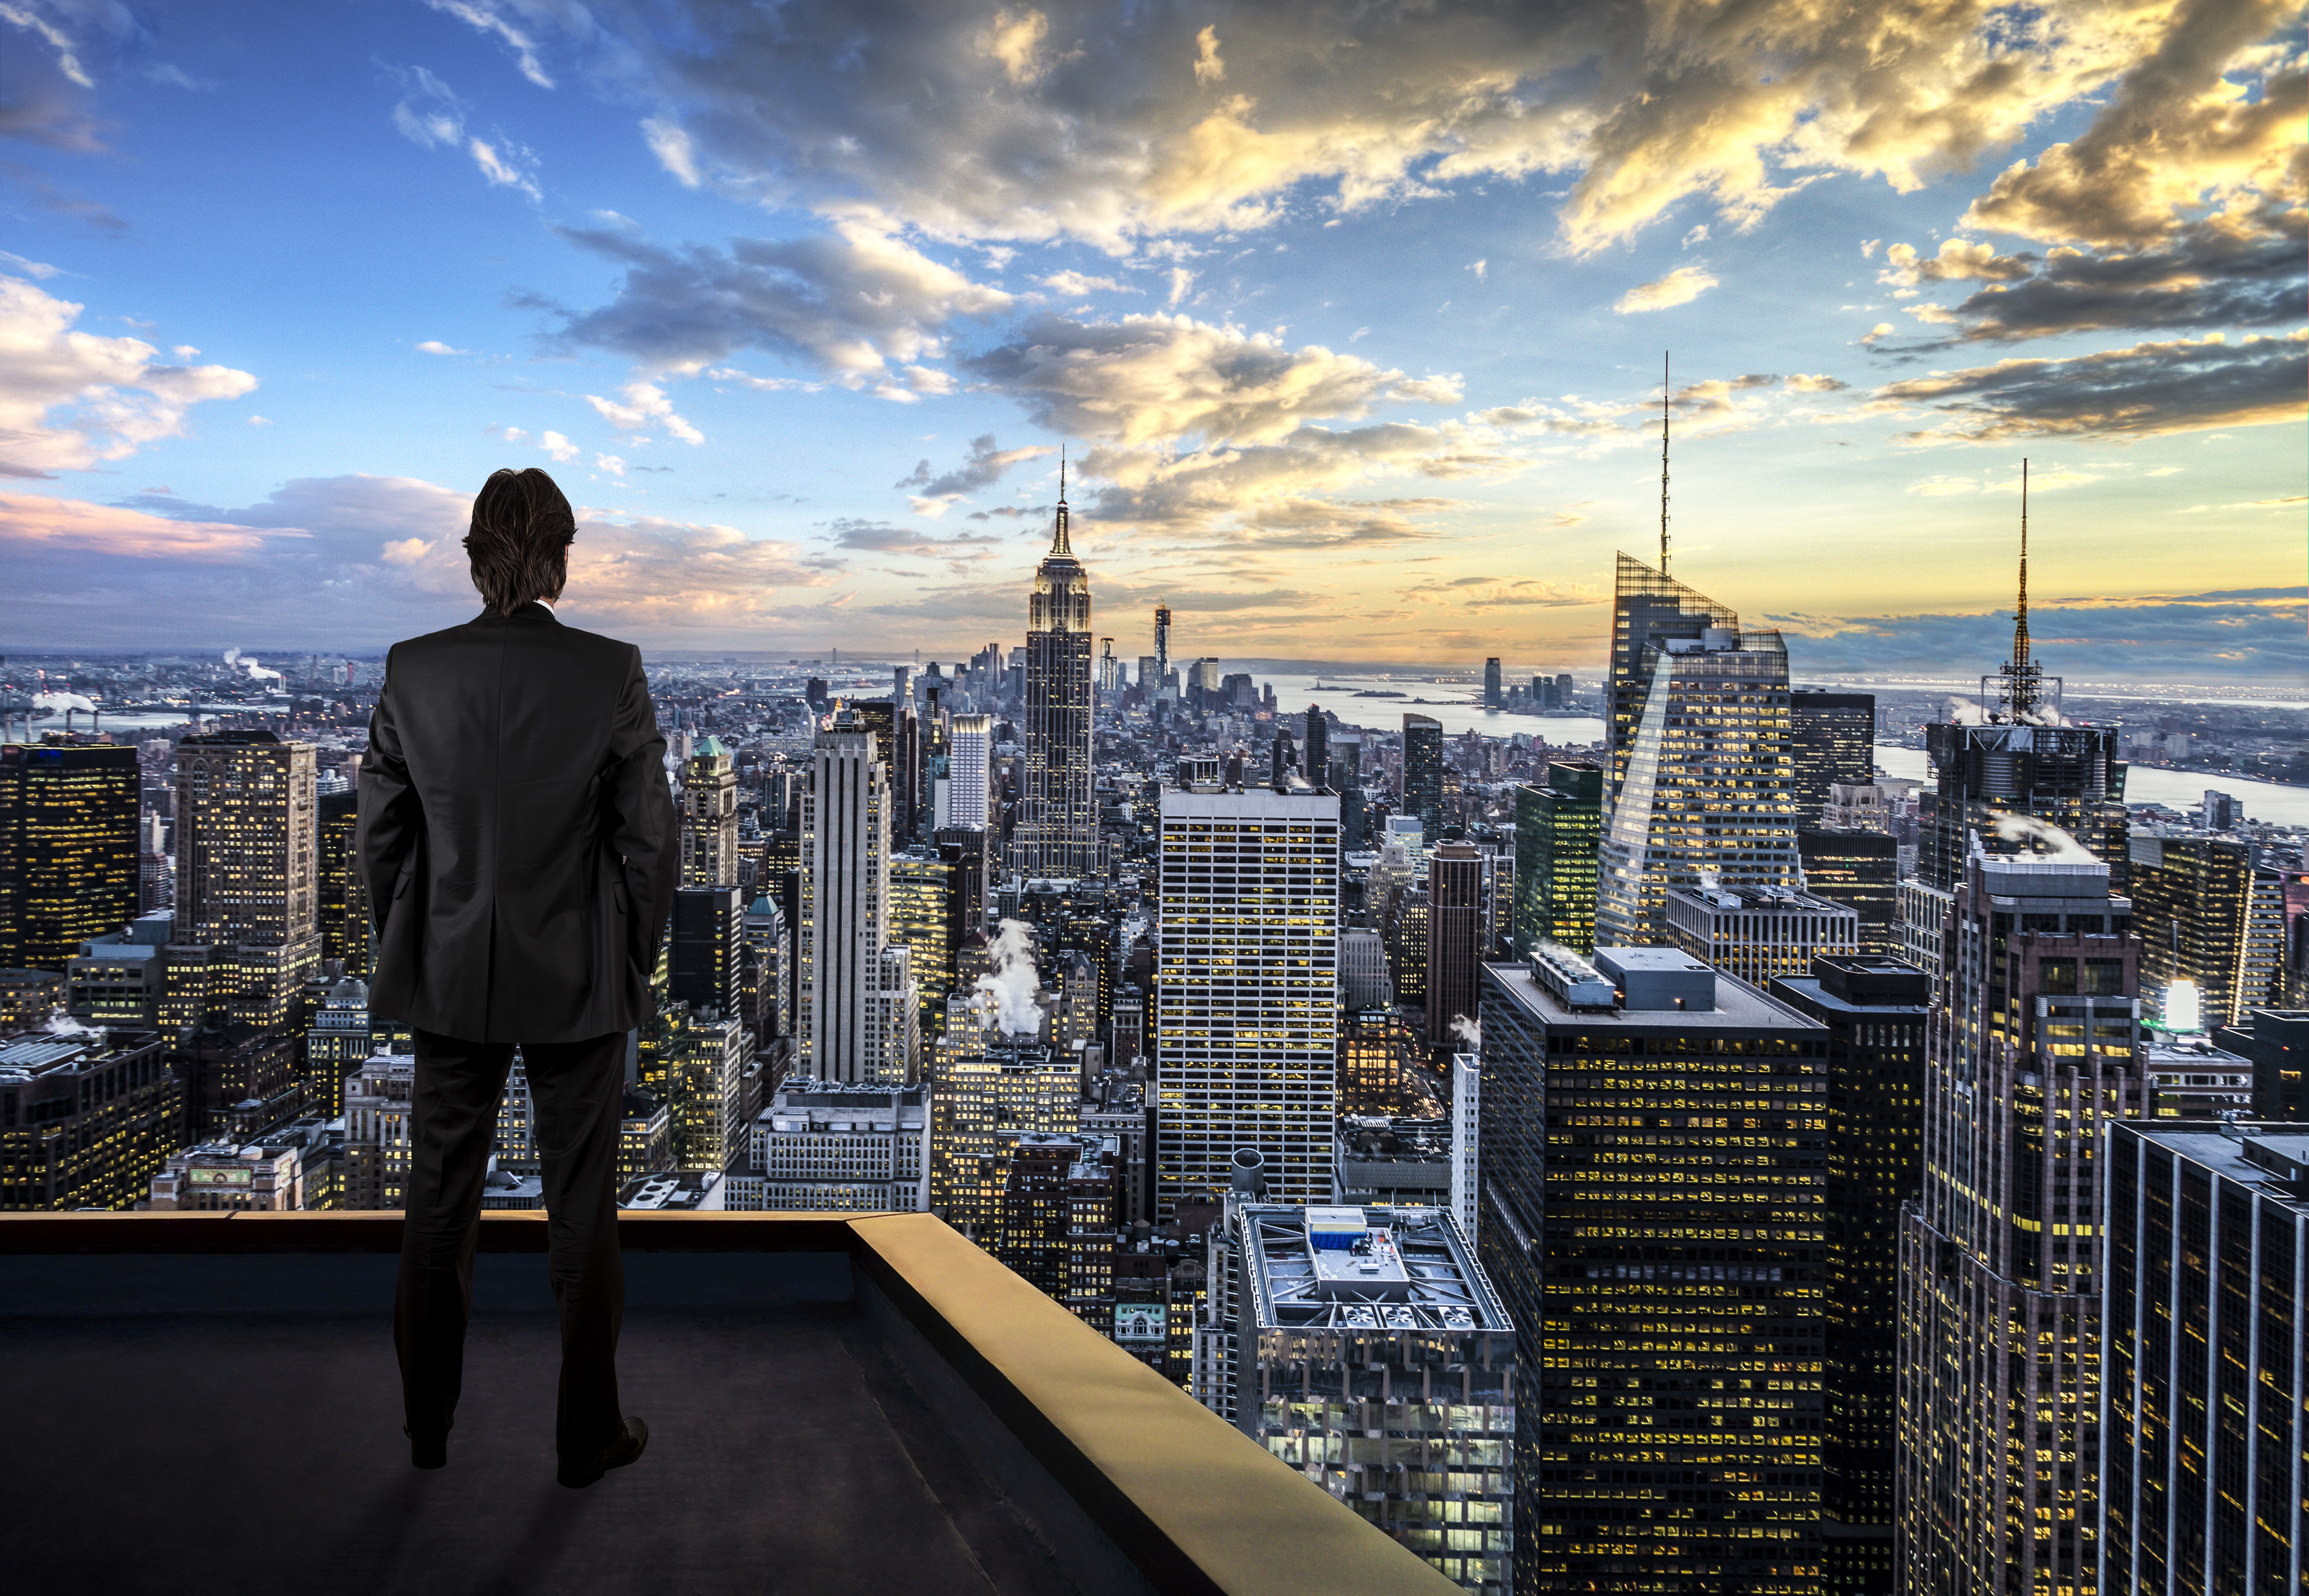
[{"x": 519, "y": 541}]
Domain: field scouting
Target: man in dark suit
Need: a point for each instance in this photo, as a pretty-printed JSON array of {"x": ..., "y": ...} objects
[{"x": 518, "y": 843}]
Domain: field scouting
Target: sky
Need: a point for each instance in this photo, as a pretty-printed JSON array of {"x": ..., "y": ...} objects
[{"x": 1350, "y": 319}]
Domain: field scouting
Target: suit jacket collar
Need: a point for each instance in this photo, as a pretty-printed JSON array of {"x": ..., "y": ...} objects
[{"x": 528, "y": 614}]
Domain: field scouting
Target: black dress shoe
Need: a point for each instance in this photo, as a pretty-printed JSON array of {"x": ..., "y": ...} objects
[
  {"x": 431, "y": 1453},
  {"x": 579, "y": 1474}
]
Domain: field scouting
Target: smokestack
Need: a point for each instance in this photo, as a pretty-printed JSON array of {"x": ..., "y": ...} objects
[{"x": 1248, "y": 1180}]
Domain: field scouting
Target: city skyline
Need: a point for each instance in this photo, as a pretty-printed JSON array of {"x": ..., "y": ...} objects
[{"x": 1358, "y": 360}]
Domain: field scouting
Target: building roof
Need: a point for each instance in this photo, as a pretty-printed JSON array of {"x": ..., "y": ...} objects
[
  {"x": 1417, "y": 1276},
  {"x": 2253, "y": 1154},
  {"x": 1739, "y": 1006}
]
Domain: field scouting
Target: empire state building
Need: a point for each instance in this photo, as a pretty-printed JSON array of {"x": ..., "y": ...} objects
[{"x": 1057, "y": 834}]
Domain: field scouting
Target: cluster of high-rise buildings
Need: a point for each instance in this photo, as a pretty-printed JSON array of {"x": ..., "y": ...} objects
[{"x": 1689, "y": 1161}]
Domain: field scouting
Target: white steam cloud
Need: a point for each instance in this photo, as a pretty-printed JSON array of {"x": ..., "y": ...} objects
[
  {"x": 1010, "y": 988},
  {"x": 55, "y": 703},
  {"x": 1470, "y": 1032},
  {"x": 1963, "y": 712},
  {"x": 2050, "y": 839},
  {"x": 256, "y": 673}
]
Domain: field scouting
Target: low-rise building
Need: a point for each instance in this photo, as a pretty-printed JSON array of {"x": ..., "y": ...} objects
[
  {"x": 86, "y": 1118},
  {"x": 262, "y": 1177},
  {"x": 844, "y": 1146},
  {"x": 1373, "y": 1355},
  {"x": 1759, "y": 934}
]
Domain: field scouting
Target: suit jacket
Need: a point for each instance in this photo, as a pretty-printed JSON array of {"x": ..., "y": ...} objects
[{"x": 516, "y": 835}]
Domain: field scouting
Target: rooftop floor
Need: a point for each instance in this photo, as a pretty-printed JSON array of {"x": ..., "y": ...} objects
[
  {"x": 836, "y": 1403},
  {"x": 787, "y": 1453}
]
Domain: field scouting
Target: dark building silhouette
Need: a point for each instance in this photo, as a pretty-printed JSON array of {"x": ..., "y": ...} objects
[
  {"x": 1319, "y": 747},
  {"x": 1422, "y": 771},
  {"x": 1456, "y": 914},
  {"x": 68, "y": 864},
  {"x": 1874, "y": 1010},
  {"x": 1832, "y": 737},
  {"x": 1860, "y": 870},
  {"x": 2207, "y": 1228},
  {"x": 707, "y": 947},
  {"x": 341, "y": 901},
  {"x": 1651, "y": 1213},
  {"x": 2277, "y": 1041},
  {"x": 1492, "y": 696}
]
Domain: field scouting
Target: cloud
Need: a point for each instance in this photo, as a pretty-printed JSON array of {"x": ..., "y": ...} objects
[
  {"x": 851, "y": 305},
  {"x": 1149, "y": 378},
  {"x": 2242, "y": 268},
  {"x": 645, "y": 405},
  {"x": 560, "y": 447},
  {"x": 1072, "y": 119},
  {"x": 1679, "y": 286},
  {"x": 2248, "y": 634},
  {"x": 359, "y": 561},
  {"x": 482, "y": 15},
  {"x": 431, "y": 115},
  {"x": 32, "y": 520},
  {"x": 2142, "y": 390},
  {"x": 2179, "y": 129},
  {"x": 434, "y": 346},
  {"x": 69, "y": 400},
  {"x": 1075, "y": 285},
  {"x": 983, "y": 469}
]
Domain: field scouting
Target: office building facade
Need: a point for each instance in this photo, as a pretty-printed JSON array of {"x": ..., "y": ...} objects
[
  {"x": 1704, "y": 797},
  {"x": 1758, "y": 935},
  {"x": 1874, "y": 1010},
  {"x": 2193, "y": 896},
  {"x": 1245, "y": 990},
  {"x": 247, "y": 869},
  {"x": 1831, "y": 740},
  {"x": 69, "y": 865},
  {"x": 858, "y": 1019},
  {"x": 1458, "y": 911},
  {"x": 2031, "y": 1056},
  {"x": 1373, "y": 1356},
  {"x": 1860, "y": 869},
  {"x": 1653, "y": 1214},
  {"x": 822, "y": 1145},
  {"x": 1558, "y": 829},
  {"x": 709, "y": 816},
  {"x": 86, "y": 1121},
  {"x": 2206, "y": 1230}
]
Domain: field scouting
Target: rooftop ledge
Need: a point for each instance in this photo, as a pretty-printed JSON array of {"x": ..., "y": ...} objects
[{"x": 850, "y": 1403}]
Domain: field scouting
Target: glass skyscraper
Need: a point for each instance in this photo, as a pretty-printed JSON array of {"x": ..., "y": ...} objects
[
  {"x": 1422, "y": 770},
  {"x": 1832, "y": 736},
  {"x": 1702, "y": 769},
  {"x": 1559, "y": 828}
]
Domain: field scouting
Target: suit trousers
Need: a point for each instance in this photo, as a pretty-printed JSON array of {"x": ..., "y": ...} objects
[{"x": 578, "y": 1092}]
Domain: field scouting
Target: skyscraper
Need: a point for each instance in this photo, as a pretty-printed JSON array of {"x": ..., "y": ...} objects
[
  {"x": 709, "y": 817},
  {"x": 1057, "y": 819},
  {"x": 707, "y": 964},
  {"x": 2193, "y": 901},
  {"x": 1558, "y": 829},
  {"x": 1492, "y": 695},
  {"x": 1860, "y": 869},
  {"x": 970, "y": 767},
  {"x": 1647, "y": 604},
  {"x": 341, "y": 900},
  {"x": 68, "y": 849},
  {"x": 1702, "y": 778},
  {"x": 1653, "y": 1213},
  {"x": 1832, "y": 737},
  {"x": 1162, "y": 651},
  {"x": 1874, "y": 1010},
  {"x": 247, "y": 870},
  {"x": 1456, "y": 913},
  {"x": 1246, "y": 991},
  {"x": 2022, "y": 762},
  {"x": 2030, "y": 1054},
  {"x": 2207, "y": 1231},
  {"x": 1319, "y": 748},
  {"x": 1759, "y": 934},
  {"x": 857, "y": 1019},
  {"x": 88, "y": 1118},
  {"x": 1422, "y": 770}
]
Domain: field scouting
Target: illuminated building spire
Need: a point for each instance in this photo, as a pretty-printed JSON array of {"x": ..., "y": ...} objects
[{"x": 1059, "y": 545}]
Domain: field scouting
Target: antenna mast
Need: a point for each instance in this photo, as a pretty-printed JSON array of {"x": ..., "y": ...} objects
[
  {"x": 1664, "y": 404},
  {"x": 2020, "y": 616}
]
